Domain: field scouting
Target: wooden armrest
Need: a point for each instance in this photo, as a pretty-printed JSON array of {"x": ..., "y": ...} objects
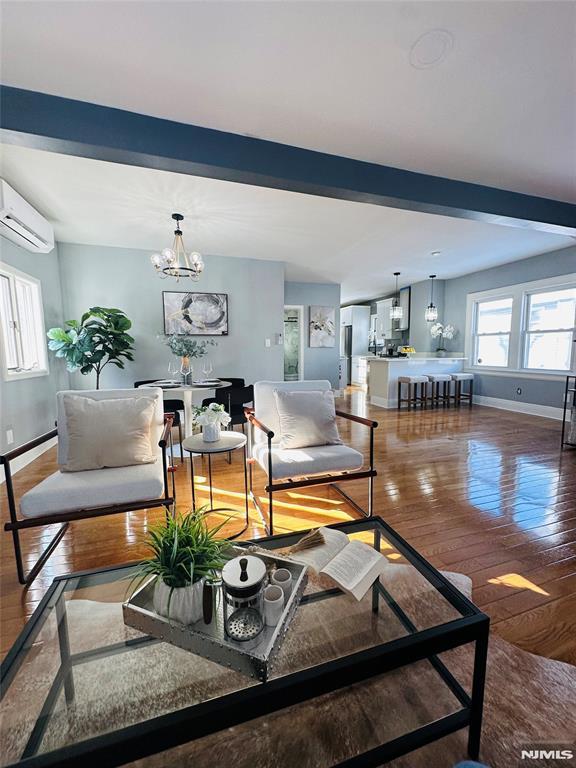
[
  {"x": 6, "y": 457},
  {"x": 168, "y": 419},
  {"x": 358, "y": 419},
  {"x": 253, "y": 420}
]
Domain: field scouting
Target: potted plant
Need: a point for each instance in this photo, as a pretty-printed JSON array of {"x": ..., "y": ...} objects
[
  {"x": 185, "y": 553},
  {"x": 211, "y": 418},
  {"x": 100, "y": 338},
  {"x": 187, "y": 348},
  {"x": 441, "y": 332}
]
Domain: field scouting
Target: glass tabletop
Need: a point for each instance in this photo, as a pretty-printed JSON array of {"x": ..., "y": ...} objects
[{"x": 79, "y": 672}]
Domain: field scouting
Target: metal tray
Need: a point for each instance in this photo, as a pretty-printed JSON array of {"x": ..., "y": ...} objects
[{"x": 254, "y": 658}]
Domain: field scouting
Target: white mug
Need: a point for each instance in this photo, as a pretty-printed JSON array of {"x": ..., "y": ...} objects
[
  {"x": 273, "y": 604},
  {"x": 282, "y": 578}
]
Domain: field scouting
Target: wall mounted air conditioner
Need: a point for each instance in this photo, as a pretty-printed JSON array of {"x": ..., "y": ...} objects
[{"x": 22, "y": 223}]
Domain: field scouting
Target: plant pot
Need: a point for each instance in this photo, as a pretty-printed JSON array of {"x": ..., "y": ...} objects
[
  {"x": 185, "y": 604},
  {"x": 440, "y": 353},
  {"x": 211, "y": 433}
]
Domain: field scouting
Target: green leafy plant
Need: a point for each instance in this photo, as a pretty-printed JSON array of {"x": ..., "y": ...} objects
[
  {"x": 100, "y": 338},
  {"x": 184, "y": 346},
  {"x": 184, "y": 550}
]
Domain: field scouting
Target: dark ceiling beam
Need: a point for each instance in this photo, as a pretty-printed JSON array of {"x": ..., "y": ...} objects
[{"x": 89, "y": 130}]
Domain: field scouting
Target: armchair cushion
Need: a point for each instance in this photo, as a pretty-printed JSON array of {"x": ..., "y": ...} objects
[
  {"x": 108, "y": 433},
  {"x": 307, "y": 418},
  {"x": 71, "y": 491},
  {"x": 304, "y": 462},
  {"x": 265, "y": 402}
]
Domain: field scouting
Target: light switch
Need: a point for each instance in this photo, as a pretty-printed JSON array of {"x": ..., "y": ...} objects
[{"x": 268, "y": 343}]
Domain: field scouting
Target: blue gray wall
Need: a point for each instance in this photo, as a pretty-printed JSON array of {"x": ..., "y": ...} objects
[
  {"x": 542, "y": 391},
  {"x": 419, "y": 333},
  {"x": 124, "y": 278},
  {"x": 28, "y": 406},
  {"x": 318, "y": 363}
]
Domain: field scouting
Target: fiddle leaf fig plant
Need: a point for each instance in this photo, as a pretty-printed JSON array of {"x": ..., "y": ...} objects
[{"x": 98, "y": 339}]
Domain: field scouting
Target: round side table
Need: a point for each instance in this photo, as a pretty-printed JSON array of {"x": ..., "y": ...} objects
[{"x": 229, "y": 441}]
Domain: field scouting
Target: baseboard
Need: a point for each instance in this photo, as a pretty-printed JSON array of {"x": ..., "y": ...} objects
[
  {"x": 22, "y": 461},
  {"x": 533, "y": 409},
  {"x": 382, "y": 402}
]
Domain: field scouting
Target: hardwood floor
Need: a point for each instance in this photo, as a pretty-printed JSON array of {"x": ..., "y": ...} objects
[{"x": 479, "y": 491}]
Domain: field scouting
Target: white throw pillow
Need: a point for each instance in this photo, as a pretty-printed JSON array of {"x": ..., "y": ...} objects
[
  {"x": 108, "y": 433},
  {"x": 307, "y": 418}
]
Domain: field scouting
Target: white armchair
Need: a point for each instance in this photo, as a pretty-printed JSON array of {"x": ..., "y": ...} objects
[
  {"x": 287, "y": 469},
  {"x": 66, "y": 496}
]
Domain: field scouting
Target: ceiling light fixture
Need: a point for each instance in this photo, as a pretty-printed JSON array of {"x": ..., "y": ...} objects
[
  {"x": 175, "y": 262},
  {"x": 396, "y": 311},
  {"x": 431, "y": 312}
]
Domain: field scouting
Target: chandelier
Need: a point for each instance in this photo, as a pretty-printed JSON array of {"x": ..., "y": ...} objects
[
  {"x": 396, "y": 311},
  {"x": 431, "y": 311},
  {"x": 175, "y": 262}
]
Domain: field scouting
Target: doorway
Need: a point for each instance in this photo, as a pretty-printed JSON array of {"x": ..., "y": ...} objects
[{"x": 293, "y": 343}]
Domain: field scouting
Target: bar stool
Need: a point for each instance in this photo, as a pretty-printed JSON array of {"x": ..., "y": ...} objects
[
  {"x": 459, "y": 395},
  {"x": 413, "y": 399},
  {"x": 435, "y": 397}
]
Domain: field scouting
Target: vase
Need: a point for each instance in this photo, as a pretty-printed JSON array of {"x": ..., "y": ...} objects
[
  {"x": 211, "y": 433},
  {"x": 183, "y": 606},
  {"x": 440, "y": 353}
]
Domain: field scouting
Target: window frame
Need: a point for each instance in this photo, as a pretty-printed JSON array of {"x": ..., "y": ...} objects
[
  {"x": 517, "y": 351},
  {"x": 13, "y": 274},
  {"x": 476, "y": 335}
]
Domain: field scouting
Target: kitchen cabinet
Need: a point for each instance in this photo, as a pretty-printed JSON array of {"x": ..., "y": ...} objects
[
  {"x": 383, "y": 322},
  {"x": 404, "y": 323},
  {"x": 359, "y": 371}
]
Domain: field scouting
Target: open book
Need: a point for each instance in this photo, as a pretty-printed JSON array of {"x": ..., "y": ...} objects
[{"x": 353, "y": 565}]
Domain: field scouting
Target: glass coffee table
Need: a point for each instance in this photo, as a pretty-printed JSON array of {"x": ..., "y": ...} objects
[{"x": 355, "y": 683}]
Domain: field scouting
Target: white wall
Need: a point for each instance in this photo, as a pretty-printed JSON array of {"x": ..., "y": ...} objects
[{"x": 124, "y": 278}]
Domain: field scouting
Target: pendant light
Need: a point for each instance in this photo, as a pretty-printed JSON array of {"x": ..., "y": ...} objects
[
  {"x": 396, "y": 311},
  {"x": 431, "y": 313},
  {"x": 175, "y": 262}
]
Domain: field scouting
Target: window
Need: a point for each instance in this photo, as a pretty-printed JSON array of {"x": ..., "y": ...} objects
[
  {"x": 492, "y": 337},
  {"x": 550, "y": 329},
  {"x": 527, "y": 328},
  {"x": 22, "y": 325}
]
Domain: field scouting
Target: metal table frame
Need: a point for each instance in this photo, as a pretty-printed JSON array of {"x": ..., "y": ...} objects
[
  {"x": 209, "y": 454},
  {"x": 166, "y": 731}
]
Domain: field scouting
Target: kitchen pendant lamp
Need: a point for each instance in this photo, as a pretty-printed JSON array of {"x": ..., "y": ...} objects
[
  {"x": 175, "y": 262},
  {"x": 431, "y": 313},
  {"x": 396, "y": 311}
]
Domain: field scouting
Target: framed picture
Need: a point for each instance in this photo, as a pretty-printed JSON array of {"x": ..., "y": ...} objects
[
  {"x": 195, "y": 314},
  {"x": 322, "y": 326}
]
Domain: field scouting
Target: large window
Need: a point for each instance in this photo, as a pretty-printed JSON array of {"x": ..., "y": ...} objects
[
  {"x": 22, "y": 325},
  {"x": 524, "y": 328},
  {"x": 492, "y": 332},
  {"x": 550, "y": 329}
]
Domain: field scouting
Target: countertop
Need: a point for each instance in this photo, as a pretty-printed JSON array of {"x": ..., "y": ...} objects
[{"x": 414, "y": 358}]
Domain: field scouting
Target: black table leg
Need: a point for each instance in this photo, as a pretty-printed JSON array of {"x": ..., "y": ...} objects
[
  {"x": 478, "y": 682},
  {"x": 210, "y": 480},
  {"x": 246, "y": 483},
  {"x": 192, "y": 481}
]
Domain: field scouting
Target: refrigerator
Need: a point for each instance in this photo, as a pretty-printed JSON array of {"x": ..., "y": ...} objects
[{"x": 346, "y": 352}]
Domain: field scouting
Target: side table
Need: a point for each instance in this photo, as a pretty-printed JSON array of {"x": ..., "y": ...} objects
[{"x": 229, "y": 441}]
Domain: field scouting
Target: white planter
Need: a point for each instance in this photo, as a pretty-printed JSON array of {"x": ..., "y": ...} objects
[
  {"x": 185, "y": 604},
  {"x": 211, "y": 433}
]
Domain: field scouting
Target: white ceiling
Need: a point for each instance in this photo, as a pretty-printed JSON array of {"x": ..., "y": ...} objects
[
  {"x": 320, "y": 239},
  {"x": 333, "y": 76}
]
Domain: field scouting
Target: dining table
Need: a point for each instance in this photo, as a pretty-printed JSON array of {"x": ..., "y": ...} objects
[{"x": 190, "y": 394}]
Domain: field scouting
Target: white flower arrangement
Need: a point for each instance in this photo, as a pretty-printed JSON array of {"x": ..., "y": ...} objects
[
  {"x": 211, "y": 415},
  {"x": 442, "y": 332}
]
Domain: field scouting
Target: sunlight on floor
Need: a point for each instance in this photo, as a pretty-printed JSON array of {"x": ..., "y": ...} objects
[
  {"x": 516, "y": 581},
  {"x": 294, "y": 495}
]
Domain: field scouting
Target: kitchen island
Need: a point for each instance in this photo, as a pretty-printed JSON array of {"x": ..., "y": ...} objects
[{"x": 383, "y": 374}]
